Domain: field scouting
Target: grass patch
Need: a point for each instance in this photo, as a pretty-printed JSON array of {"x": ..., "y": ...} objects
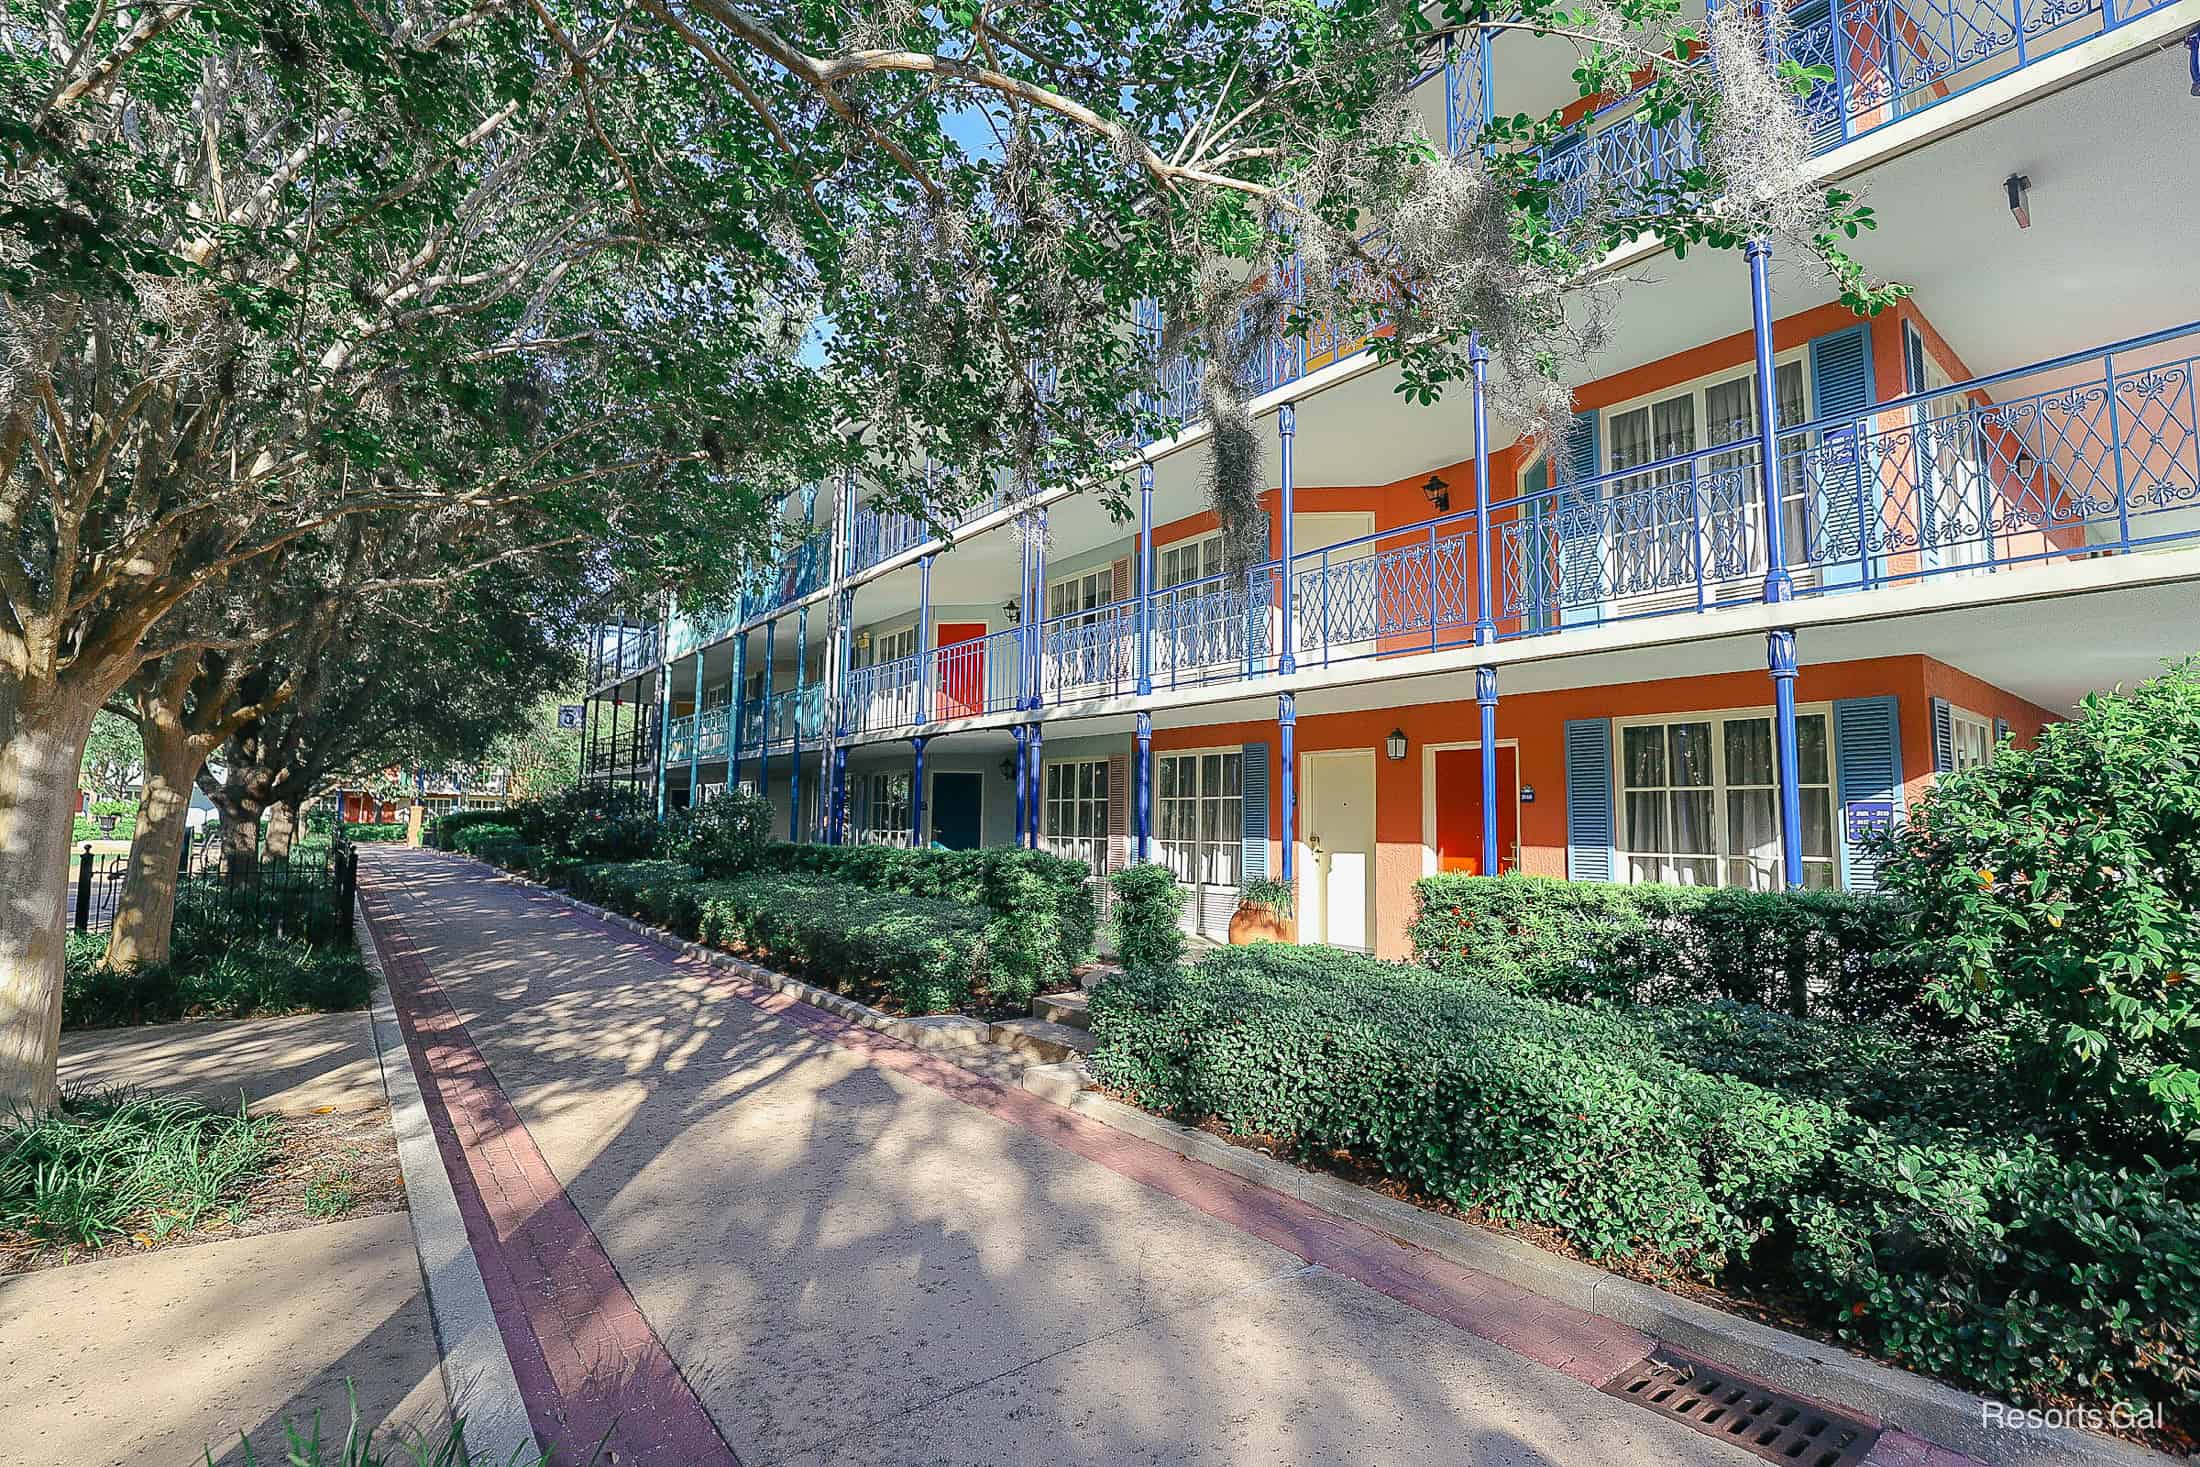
[
  {"x": 112, "y": 1165},
  {"x": 307, "y": 1446},
  {"x": 333, "y": 1189}
]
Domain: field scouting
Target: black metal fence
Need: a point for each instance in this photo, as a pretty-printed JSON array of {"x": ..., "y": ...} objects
[{"x": 307, "y": 894}]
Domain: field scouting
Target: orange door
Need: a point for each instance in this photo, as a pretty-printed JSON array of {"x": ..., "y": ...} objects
[
  {"x": 960, "y": 676},
  {"x": 1459, "y": 809}
]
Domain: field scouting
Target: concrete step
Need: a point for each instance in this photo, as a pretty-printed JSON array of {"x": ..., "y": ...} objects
[
  {"x": 1058, "y": 1083},
  {"x": 994, "y": 1064},
  {"x": 1073, "y": 1009},
  {"x": 1041, "y": 1039}
]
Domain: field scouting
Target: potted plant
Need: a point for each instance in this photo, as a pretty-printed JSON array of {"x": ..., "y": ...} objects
[{"x": 1263, "y": 914}]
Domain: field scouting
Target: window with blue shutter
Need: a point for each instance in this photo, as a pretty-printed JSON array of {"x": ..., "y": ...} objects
[
  {"x": 1254, "y": 783},
  {"x": 1842, "y": 481},
  {"x": 2001, "y": 732},
  {"x": 1944, "y": 737},
  {"x": 1589, "y": 850},
  {"x": 1581, "y": 528},
  {"x": 1867, "y": 755}
]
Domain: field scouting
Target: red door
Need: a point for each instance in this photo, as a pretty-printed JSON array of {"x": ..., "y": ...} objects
[
  {"x": 961, "y": 672},
  {"x": 1459, "y": 809}
]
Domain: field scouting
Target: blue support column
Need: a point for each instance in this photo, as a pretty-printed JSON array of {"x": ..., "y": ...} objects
[
  {"x": 839, "y": 817},
  {"x": 739, "y": 706},
  {"x": 924, "y": 641},
  {"x": 695, "y": 731},
  {"x": 1779, "y": 586},
  {"x": 764, "y": 744},
  {"x": 1038, "y": 805},
  {"x": 1485, "y": 693},
  {"x": 1287, "y": 429},
  {"x": 1143, "y": 781},
  {"x": 662, "y": 774},
  {"x": 1145, "y": 581},
  {"x": 1039, "y": 616},
  {"x": 1780, "y": 646},
  {"x": 794, "y": 762},
  {"x": 1023, "y": 756},
  {"x": 1287, "y": 736},
  {"x": 1485, "y": 627},
  {"x": 916, "y": 794}
]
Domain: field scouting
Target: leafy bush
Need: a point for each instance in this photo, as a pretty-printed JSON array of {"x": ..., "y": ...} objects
[
  {"x": 588, "y": 823},
  {"x": 378, "y": 833},
  {"x": 1148, "y": 910},
  {"x": 443, "y": 831},
  {"x": 1045, "y": 917},
  {"x": 226, "y": 960},
  {"x": 1533, "y": 1111},
  {"x": 1819, "y": 952},
  {"x": 1276, "y": 896},
  {"x": 723, "y": 836},
  {"x": 107, "y": 1165},
  {"x": 2065, "y": 879},
  {"x": 469, "y": 839},
  {"x": 2003, "y": 1265}
]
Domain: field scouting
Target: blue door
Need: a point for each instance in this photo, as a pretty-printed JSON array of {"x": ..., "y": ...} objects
[{"x": 958, "y": 807}]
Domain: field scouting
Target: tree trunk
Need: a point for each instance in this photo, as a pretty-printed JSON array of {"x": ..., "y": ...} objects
[
  {"x": 240, "y": 841},
  {"x": 41, "y": 747},
  {"x": 146, "y": 911},
  {"x": 282, "y": 829}
]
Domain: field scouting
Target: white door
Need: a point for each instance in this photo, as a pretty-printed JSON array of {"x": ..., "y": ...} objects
[{"x": 1337, "y": 893}]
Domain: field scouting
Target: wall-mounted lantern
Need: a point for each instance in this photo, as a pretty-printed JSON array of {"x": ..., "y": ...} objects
[{"x": 1395, "y": 745}]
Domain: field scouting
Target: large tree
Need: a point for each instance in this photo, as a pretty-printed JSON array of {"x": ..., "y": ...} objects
[{"x": 549, "y": 270}]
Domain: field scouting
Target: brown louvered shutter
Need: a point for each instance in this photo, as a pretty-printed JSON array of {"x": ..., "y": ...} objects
[
  {"x": 1125, "y": 588},
  {"x": 1119, "y": 811}
]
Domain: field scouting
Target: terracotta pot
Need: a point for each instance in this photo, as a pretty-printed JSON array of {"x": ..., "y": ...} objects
[{"x": 1259, "y": 922}]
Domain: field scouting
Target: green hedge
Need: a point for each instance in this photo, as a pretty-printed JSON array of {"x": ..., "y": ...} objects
[
  {"x": 923, "y": 953},
  {"x": 443, "y": 831},
  {"x": 469, "y": 839},
  {"x": 1822, "y": 953},
  {"x": 1148, "y": 911},
  {"x": 380, "y": 832},
  {"x": 2035, "y": 1272},
  {"x": 1533, "y": 1111},
  {"x": 1044, "y": 919}
]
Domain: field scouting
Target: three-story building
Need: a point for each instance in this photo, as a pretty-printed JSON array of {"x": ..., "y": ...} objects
[{"x": 1788, "y": 566}]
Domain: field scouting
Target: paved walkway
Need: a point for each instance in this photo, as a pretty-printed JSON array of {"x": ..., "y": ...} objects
[
  {"x": 726, "y": 1228},
  {"x": 292, "y": 1065}
]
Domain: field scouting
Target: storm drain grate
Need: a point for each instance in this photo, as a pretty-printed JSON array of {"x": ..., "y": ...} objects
[{"x": 1755, "y": 1417}]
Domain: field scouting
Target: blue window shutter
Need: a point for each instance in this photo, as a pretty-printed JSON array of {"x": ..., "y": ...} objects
[
  {"x": 1944, "y": 737},
  {"x": 1253, "y": 782},
  {"x": 1842, "y": 482},
  {"x": 2001, "y": 732},
  {"x": 1867, "y": 752},
  {"x": 1589, "y": 853},
  {"x": 1581, "y": 528}
]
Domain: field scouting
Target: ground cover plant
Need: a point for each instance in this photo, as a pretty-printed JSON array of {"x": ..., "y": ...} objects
[{"x": 104, "y": 1167}]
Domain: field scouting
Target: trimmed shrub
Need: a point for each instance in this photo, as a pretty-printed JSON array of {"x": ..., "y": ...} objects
[
  {"x": 918, "y": 951},
  {"x": 443, "y": 831},
  {"x": 2001, "y": 1264},
  {"x": 1534, "y": 1112},
  {"x": 380, "y": 833},
  {"x": 2065, "y": 880},
  {"x": 1821, "y": 952},
  {"x": 723, "y": 836},
  {"x": 1148, "y": 912},
  {"x": 1043, "y": 903},
  {"x": 469, "y": 839}
]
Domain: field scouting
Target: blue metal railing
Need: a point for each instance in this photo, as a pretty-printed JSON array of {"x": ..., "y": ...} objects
[{"x": 2085, "y": 455}]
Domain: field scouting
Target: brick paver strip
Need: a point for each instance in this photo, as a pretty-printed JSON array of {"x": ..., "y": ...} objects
[{"x": 589, "y": 1366}]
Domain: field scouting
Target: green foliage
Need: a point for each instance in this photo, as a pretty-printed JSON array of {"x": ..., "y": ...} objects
[
  {"x": 921, "y": 954},
  {"x": 589, "y": 822},
  {"x": 2032, "y": 1275},
  {"x": 442, "y": 832},
  {"x": 1531, "y": 1111},
  {"x": 469, "y": 839},
  {"x": 381, "y": 833},
  {"x": 225, "y": 961},
  {"x": 723, "y": 836},
  {"x": 1276, "y": 896},
  {"x": 114, "y": 760},
  {"x": 1042, "y": 904},
  {"x": 1148, "y": 912},
  {"x": 363, "y": 1446},
  {"x": 1820, "y": 952},
  {"x": 2064, "y": 879},
  {"x": 104, "y": 1166}
]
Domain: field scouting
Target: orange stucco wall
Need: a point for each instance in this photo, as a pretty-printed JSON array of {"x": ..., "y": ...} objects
[{"x": 1536, "y": 721}]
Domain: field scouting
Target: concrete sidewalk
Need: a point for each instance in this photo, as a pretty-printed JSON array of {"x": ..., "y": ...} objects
[
  {"x": 293, "y": 1065},
  {"x": 848, "y": 1263}
]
